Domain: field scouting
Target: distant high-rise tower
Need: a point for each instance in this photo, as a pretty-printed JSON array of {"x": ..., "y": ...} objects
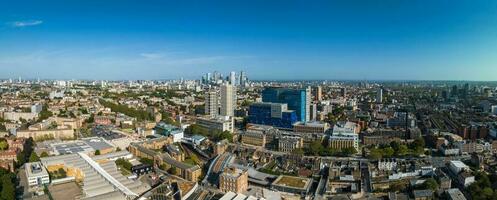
[
  {"x": 379, "y": 95},
  {"x": 308, "y": 99},
  {"x": 314, "y": 112},
  {"x": 318, "y": 94},
  {"x": 243, "y": 79},
  {"x": 211, "y": 103},
  {"x": 343, "y": 92},
  {"x": 228, "y": 100},
  {"x": 232, "y": 78},
  {"x": 209, "y": 77},
  {"x": 454, "y": 91},
  {"x": 217, "y": 76}
]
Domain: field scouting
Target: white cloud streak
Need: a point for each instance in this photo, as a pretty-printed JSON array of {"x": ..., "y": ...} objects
[
  {"x": 151, "y": 55},
  {"x": 102, "y": 58},
  {"x": 20, "y": 24}
]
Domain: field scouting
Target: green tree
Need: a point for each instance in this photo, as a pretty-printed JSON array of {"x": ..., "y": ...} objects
[
  {"x": 225, "y": 135},
  {"x": 25, "y": 155},
  {"x": 124, "y": 163},
  {"x": 419, "y": 142},
  {"x": 195, "y": 129},
  {"x": 138, "y": 114},
  {"x": 403, "y": 150},
  {"x": 173, "y": 170},
  {"x": 61, "y": 173},
  {"x": 474, "y": 190},
  {"x": 395, "y": 145},
  {"x": 397, "y": 186},
  {"x": 8, "y": 189},
  {"x": 314, "y": 149},
  {"x": 147, "y": 161},
  {"x": 21, "y": 158},
  {"x": 349, "y": 151},
  {"x": 97, "y": 152},
  {"x": 194, "y": 158},
  {"x": 375, "y": 153},
  {"x": 388, "y": 152},
  {"x": 246, "y": 103},
  {"x": 44, "y": 154},
  {"x": 298, "y": 151},
  {"x": 3, "y": 144},
  {"x": 83, "y": 111},
  {"x": 418, "y": 145},
  {"x": 91, "y": 119},
  {"x": 487, "y": 193},
  {"x": 481, "y": 189},
  {"x": 33, "y": 157},
  {"x": 430, "y": 184},
  {"x": 44, "y": 114}
]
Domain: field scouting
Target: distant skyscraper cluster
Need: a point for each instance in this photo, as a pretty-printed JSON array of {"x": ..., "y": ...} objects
[{"x": 233, "y": 78}]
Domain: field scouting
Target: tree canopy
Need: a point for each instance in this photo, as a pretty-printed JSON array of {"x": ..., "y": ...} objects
[
  {"x": 3, "y": 144},
  {"x": 33, "y": 157},
  {"x": 140, "y": 115},
  {"x": 8, "y": 189},
  {"x": 44, "y": 114},
  {"x": 124, "y": 163},
  {"x": 44, "y": 154},
  {"x": 316, "y": 148},
  {"x": 395, "y": 149},
  {"x": 482, "y": 188},
  {"x": 215, "y": 135}
]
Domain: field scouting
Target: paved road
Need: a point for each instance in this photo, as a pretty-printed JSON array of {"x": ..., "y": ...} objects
[{"x": 366, "y": 177}]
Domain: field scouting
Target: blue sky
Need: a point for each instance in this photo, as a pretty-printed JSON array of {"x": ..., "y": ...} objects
[{"x": 122, "y": 39}]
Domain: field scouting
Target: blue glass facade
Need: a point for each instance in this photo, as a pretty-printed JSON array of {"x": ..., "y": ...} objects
[
  {"x": 294, "y": 98},
  {"x": 261, "y": 114}
]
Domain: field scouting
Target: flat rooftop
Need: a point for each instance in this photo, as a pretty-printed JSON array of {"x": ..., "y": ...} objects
[
  {"x": 101, "y": 180},
  {"x": 71, "y": 147},
  {"x": 459, "y": 164},
  {"x": 65, "y": 191},
  {"x": 84, "y": 145},
  {"x": 35, "y": 169},
  {"x": 232, "y": 172},
  {"x": 456, "y": 194},
  {"x": 97, "y": 143},
  {"x": 292, "y": 181}
]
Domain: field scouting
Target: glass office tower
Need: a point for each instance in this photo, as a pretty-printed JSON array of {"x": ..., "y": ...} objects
[
  {"x": 296, "y": 99},
  {"x": 272, "y": 114}
]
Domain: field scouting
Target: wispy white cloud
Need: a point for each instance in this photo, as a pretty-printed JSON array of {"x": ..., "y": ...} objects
[
  {"x": 26, "y": 23},
  {"x": 168, "y": 58},
  {"x": 111, "y": 63},
  {"x": 151, "y": 55}
]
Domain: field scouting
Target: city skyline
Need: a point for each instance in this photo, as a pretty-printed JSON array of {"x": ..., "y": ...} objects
[
  {"x": 290, "y": 40},
  {"x": 248, "y": 100}
]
